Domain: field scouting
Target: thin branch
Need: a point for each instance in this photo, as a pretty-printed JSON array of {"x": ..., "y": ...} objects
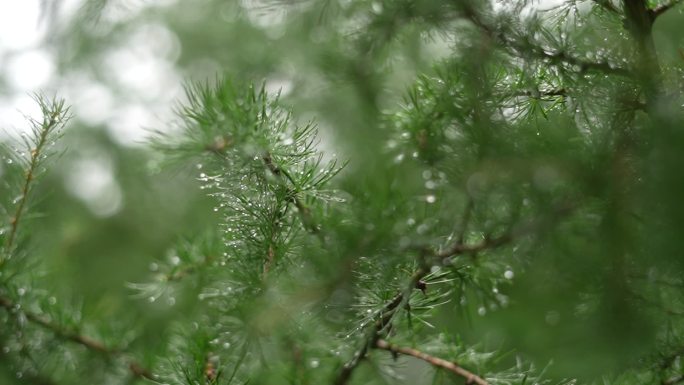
[
  {"x": 57, "y": 330},
  {"x": 465, "y": 220},
  {"x": 560, "y": 56},
  {"x": 471, "y": 378},
  {"x": 523, "y": 49},
  {"x": 383, "y": 322},
  {"x": 459, "y": 248},
  {"x": 55, "y": 116},
  {"x": 663, "y": 8},
  {"x": 537, "y": 94},
  {"x": 28, "y": 376},
  {"x": 134, "y": 367},
  {"x": 514, "y": 233}
]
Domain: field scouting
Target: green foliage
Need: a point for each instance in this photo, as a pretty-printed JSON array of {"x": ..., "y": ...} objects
[{"x": 505, "y": 198}]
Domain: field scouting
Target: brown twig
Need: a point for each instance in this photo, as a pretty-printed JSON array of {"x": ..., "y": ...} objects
[
  {"x": 459, "y": 248},
  {"x": 560, "y": 56},
  {"x": 400, "y": 300},
  {"x": 527, "y": 48},
  {"x": 94, "y": 345},
  {"x": 471, "y": 378},
  {"x": 515, "y": 232},
  {"x": 384, "y": 319}
]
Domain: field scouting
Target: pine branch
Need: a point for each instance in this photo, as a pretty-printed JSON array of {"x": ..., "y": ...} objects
[
  {"x": 527, "y": 48},
  {"x": 91, "y": 344},
  {"x": 563, "y": 57},
  {"x": 401, "y": 299},
  {"x": 536, "y": 94},
  {"x": 459, "y": 248},
  {"x": 383, "y": 322},
  {"x": 453, "y": 367},
  {"x": 304, "y": 211},
  {"x": 27, "y": 376},
  {"x": 55, "y": 116},
  {"x": 514, "y": 233}
]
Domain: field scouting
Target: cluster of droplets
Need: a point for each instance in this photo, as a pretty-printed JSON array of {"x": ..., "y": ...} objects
[
  {"x": 209, "y": 181},
  {"x": 210, "y": 293}
]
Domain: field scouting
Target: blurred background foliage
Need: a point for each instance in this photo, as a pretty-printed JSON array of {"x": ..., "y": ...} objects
[{"x": 375, "y": 76}]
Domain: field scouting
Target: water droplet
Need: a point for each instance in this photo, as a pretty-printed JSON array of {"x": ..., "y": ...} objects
[
  {"x": 430, "y": 199},
  {"x": 422, "y": 228},
  {"x": 399, "y": 158},
  {"x": 175, "y": 260},
  {"x": 482, "y": 311},
  {"x": 21, "y": 291},
  {"x": 154, "y": 266},
  {"x": 152, "y": 298},
  {"x": 508, "y": 274},
  {"x": 52, "y": 300},
  {"x": 226, "y": 345},
  {"x": 314, "y": 363}
]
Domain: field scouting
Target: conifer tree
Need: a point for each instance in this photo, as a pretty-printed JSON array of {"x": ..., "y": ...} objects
[{"x": 408, "y": 234}]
